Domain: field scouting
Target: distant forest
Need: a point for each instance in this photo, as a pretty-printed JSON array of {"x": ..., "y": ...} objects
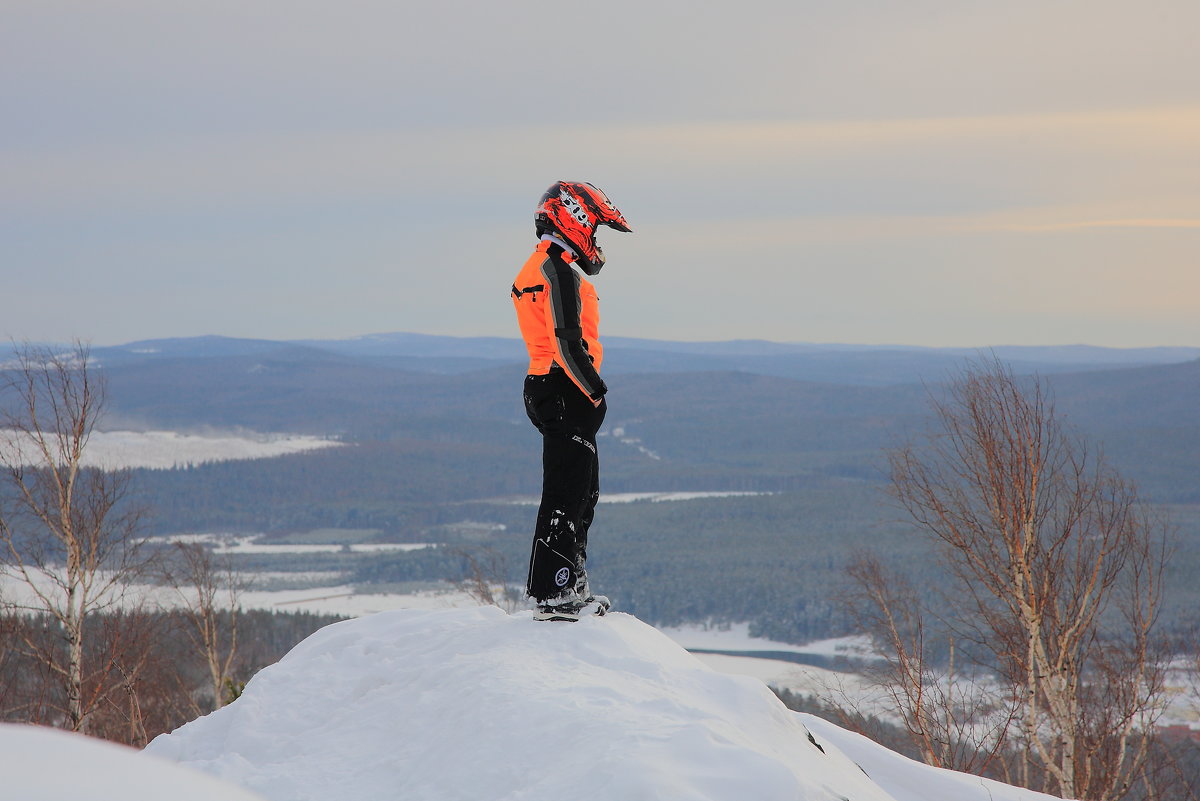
[{"x": 441, "y": 439}]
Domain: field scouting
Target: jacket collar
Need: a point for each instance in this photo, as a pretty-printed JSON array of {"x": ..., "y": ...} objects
[{"x": 551, "y": 239}]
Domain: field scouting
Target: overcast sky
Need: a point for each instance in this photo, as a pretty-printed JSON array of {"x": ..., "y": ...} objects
[{"x": 954, "y": 172}]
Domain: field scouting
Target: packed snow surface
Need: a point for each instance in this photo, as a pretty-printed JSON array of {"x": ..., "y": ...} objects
[
  {"x": 42, "y": 764},
  {"x": 476, "y": 703}
]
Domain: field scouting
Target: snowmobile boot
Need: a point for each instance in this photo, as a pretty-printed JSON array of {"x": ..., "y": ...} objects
[
  {"x": 571, "y": 607},
  {"x": 596, "y": 605}
]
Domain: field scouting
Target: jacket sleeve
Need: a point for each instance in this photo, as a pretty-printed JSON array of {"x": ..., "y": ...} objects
[{"x": 566, "y": 332}]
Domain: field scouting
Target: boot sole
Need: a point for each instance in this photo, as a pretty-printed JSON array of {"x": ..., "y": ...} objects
[{"x": 593, "y": 609}]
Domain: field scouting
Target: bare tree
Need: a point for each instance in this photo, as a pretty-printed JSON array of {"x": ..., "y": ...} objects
[
  {"x": 211, "y": 594},
  {"x": 122, "y": 647},
  {"x": 64, "y": 531},
  {"x": 9, "y": 687},
  {"x": 958, "y": 720},
  {"x": 486, "y": 579},
  {"x": 1058, "y": 575}
]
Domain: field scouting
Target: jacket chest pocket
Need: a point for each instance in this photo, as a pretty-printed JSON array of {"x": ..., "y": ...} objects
[{"x": 533, "y": 293}]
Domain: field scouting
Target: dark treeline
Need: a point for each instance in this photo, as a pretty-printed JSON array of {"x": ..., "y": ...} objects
[{"x": 774, "y": 560}]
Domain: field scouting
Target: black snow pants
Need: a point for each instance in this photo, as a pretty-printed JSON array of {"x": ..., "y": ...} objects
[{"x": 568, "y": 423}]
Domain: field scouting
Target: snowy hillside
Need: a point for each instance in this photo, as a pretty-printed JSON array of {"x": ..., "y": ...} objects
[{"x": 475, "y": 703}]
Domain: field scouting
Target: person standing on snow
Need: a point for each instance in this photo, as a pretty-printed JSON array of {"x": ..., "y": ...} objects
[{"x": 558, "y": 313}]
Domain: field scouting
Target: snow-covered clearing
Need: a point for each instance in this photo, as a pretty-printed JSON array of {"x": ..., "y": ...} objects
[
  {"x": 111, "y": 450},
  {"x": 338, "y": 599},
  {"x": 348, "y": 602},
  {"x": 236, "y": 544},
  {"x": 736, "y": 637},
  {"x": 651, "y": 497},
  {"x": 656, "y": 497}
]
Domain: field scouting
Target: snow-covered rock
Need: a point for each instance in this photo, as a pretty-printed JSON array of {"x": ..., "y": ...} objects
[{"x": 479, "y": 704}]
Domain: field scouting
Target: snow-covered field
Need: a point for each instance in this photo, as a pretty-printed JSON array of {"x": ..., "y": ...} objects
[
  {"x": 736, "y": 637},
  {"x": 348, "y": 602},
  {"x": 236, "y": 544},
  {"x": 657, "y": 497},
  {"x": 334, "y": 599},
  {"x": 170, "y": 449},
  {"x": 652, "y": 497}
]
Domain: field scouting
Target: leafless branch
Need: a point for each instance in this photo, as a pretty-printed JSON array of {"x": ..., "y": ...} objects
[{"x": 1058, "y": 574}]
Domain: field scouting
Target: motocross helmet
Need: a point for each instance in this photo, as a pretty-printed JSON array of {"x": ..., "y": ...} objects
[{"x": 571, "y": 210}]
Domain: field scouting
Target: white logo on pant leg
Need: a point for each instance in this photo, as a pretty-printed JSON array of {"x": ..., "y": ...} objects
[{"x": 562, "y": 576}]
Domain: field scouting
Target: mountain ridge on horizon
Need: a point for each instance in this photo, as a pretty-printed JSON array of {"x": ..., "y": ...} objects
[
  {"x": 824, "y": 362},
  {"x": 821, "y": 362},
  {"x": 1100, "y": 353}
]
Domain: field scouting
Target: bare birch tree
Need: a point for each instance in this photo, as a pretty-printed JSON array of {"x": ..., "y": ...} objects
[
  {"x": 957, "y": 719},
  {"x": 64, "y": 531},
  {"x": 210, "y": 591},
  {"x": 1058, "y": 573}
]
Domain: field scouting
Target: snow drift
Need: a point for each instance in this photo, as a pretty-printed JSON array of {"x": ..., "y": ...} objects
[
  {"x": 475, "y": 703},
  {"x": 43, "y": 764}
]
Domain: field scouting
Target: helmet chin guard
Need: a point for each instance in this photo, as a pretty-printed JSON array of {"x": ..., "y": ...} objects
[{"x": 572, "y": 210}]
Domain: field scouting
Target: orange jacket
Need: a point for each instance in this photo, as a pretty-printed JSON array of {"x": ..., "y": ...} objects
[{"x": 559, "y": 315}]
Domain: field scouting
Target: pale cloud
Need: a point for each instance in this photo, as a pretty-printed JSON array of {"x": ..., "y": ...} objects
[
  {"x": 929, "y": 172},
  {"x": 1092, "y": 150},
  {"x": 1085, "y": 224}
]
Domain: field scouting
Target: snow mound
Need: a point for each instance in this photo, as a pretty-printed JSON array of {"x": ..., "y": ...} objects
[
  {"x": 907, "y": 780},
  {"x": 43, "y": 764},
  {"x": 478, "y": 704},
  {"x": 474, "y": 703}
]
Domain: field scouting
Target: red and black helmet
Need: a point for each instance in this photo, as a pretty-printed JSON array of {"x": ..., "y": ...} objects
[{"x": 572, "y": 210}]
